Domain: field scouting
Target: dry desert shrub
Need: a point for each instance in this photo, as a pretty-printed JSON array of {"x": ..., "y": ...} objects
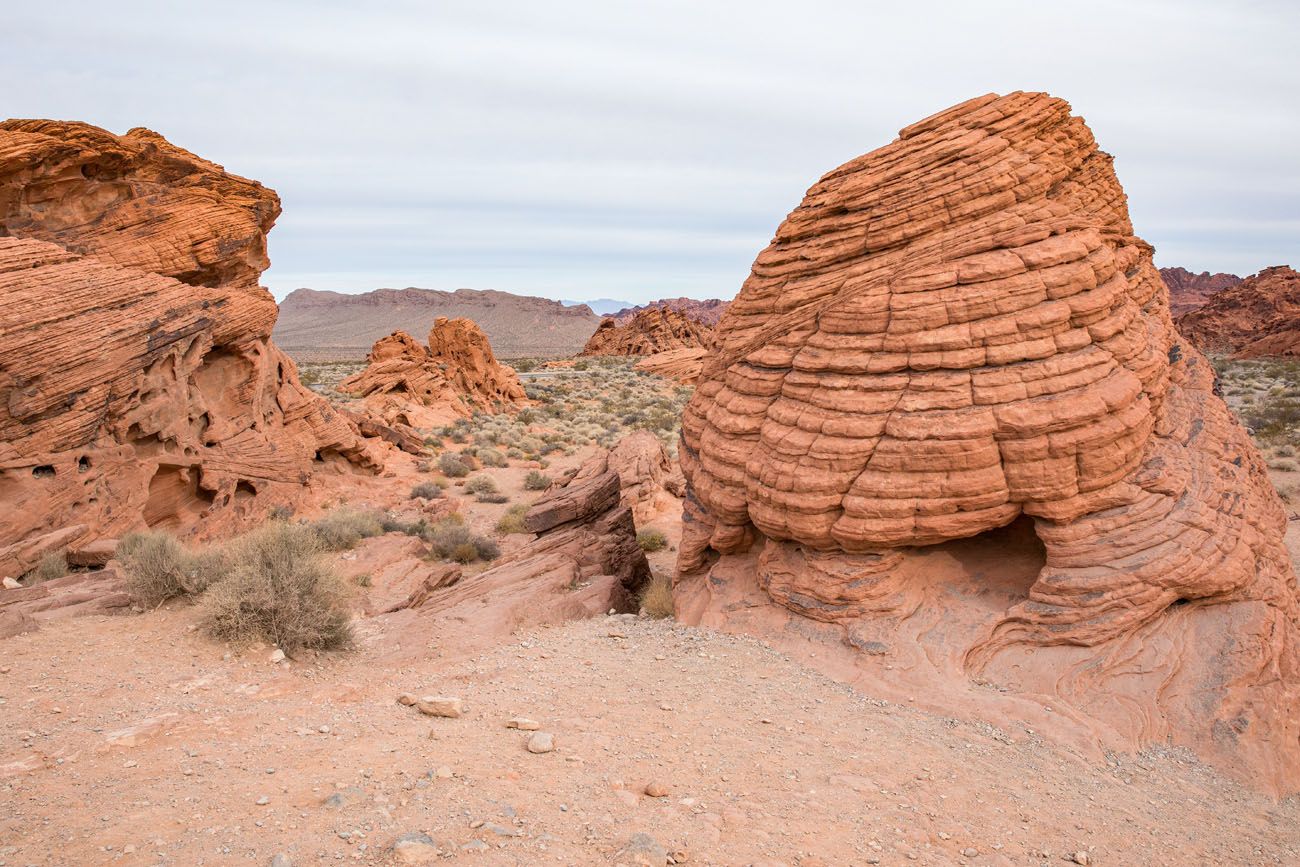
[
  {"x": 53, "y": 565},
  {"x": 452, "y": 466},
  {"x": 513, "y": 520},
  {"x": 278, "y": 588},
  {"x": 157, "y": 567},
  {"x": 343, "y": 529},
  {"x": 657, "y": 597},
  {"x": 536, "y": 481},
  {"x": 651, "y": 540},
  {"x": 452, "y": 540},
  {"x": 427, "y": 490}
]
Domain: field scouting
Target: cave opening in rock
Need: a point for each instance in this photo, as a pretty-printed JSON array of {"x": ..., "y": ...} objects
[{"x": 175, "y": 498}]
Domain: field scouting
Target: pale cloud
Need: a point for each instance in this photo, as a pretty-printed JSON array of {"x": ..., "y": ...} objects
[{"x": 582, "y": 150}]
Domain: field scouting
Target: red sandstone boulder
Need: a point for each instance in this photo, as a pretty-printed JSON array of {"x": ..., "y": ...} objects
[
  {"x": 950, "y": 437},
  {"x": 652, "y": 330},
  {"x": 138, "y": 384},
  {"x": 1256, "y": 318},
  {"x": 407, "y": 384}
]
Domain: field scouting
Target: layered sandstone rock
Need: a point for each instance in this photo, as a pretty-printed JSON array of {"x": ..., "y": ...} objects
[
  {"x": 584, "y": 562},
  {"x": 138, "y": 384},
  {"x": 1188, "y": 290},
  {"x": 1257, "y": 318},
  {"x": 950, "y": 436},
  {"x": 653, "y": 330},
  {"x": 424, "y": 386},
  {"x": 683, "y": 365},
  {"x": 649, "y": 482}
]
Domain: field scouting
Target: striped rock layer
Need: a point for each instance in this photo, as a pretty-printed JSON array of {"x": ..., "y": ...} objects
[
  {"x": 138, "y": 383},
  {"x": 960, "y": 331},
  {"x": 649, "y": 331}
]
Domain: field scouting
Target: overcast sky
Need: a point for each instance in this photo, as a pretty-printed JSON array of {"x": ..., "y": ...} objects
[{"x": 643, "y": 150}]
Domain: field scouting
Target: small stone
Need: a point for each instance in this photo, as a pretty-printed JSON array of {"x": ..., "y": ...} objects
[
  {"x": 656, "y": 789},
  {"x": 969, "y": 852},
  {"x": 324, "y": 730},
  {"x": 1081, "y": 857},
  {"x": 443, "y": 773},
  {"x": 475, "y": 846},
  {"x": 406, "y": 699},
  {"x": 440, "y": 705},
  {"x": 541, "y": 742},
  {"x": 277, "y": 655},
  {"x": 281, "y": 860},
  {"x": 523, "y": 724},
  {"x": 11, "y": 584},
  {"x": 263, "y": 801},
  {"x": 415, "y": 848}
]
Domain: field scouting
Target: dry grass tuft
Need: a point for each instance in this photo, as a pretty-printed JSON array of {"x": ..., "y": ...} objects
[{"x": 657, "y": 597}]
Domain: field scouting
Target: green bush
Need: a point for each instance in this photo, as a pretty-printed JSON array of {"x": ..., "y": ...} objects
[
  {"x": 651, "y": 540},
  {"x": 481, "y": 485},
  {"x": 493, "y": 497},
  {"x": 536, "y": 481},
  {"x": 491, "y": 458},
  {"x": 342, "y": 529},
  {"x": 452, "y": 540},
  {"x": 452, "y": 466},
  {"x": 278, "y": 588}
]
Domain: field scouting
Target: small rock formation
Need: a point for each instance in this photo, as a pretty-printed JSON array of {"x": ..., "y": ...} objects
[
  {"x": 950, "y": 439},
  {"x": 584, "y": 562},
  {"x": 416, "y": 386},
  {"x": 1187, "y": 291},
  {"x": 708, "y": 312},
  {"x": 649, "y": 482},
  {"x": 138, "y": 383},
  {"x": 653, "y": 330},
  {"x": 1257, "y": 318},
  {"x": 682, "y": 365}
]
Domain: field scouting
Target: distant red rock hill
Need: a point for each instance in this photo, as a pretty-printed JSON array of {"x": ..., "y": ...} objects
[
  {"x": 320, "y": 325},
  {"x": 1188, "y": 290},
  {"x": 1258, "y": 317},
  {"x": 707, "y": 312}
]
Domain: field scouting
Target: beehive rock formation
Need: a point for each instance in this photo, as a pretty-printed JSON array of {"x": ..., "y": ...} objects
[
  {"x": 424, "y": 386},
  {"x": 1257, "y": 318},
  {"x": 1188, "y": 290},
  {"x": 655, "y": 329},
  {"x": 138, "y": 383},
  {"x": 957, "y": 342}
]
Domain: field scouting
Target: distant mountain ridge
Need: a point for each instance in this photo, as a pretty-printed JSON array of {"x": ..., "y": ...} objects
[
  {"x": 602, "y": 306},
  {"x": 1257, "y": 318},
  {"x": 324, "y": 325}
]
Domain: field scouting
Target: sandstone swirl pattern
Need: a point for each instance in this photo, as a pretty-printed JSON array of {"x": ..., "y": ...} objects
[
  {"x": 960, "y": 329},
  {"x": 138, "y": 383}
]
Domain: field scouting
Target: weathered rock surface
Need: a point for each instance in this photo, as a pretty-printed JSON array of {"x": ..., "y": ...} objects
[
  {"x": 1257, "y": 318},
  {"x": 1187, "y": 290},
  {"x": 957, "y": 333},
  {"x": 647, "y": 478},
  {"x": 683, "y": 365},
  {"x": 414, "y": 386},
  {"x": 584, "y": 562},
  {"x": 138, "y": 383},
  {"x": 707, "y": 312},
  {"x": 653, "y": 330}
]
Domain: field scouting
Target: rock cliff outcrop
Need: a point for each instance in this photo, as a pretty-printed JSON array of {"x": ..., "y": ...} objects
[
  {"x": 648, "y": 481},
  {"x": 653, "y": 330},
  {"x": 950, "y": 439},
  {"x": 1257, "y": 318},
  {"x": 425, "y": 386},
  {"x": 138, "y": 383},
  {"x": 708, "y": 312},
  {"x": 1187, "y": 290}
]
